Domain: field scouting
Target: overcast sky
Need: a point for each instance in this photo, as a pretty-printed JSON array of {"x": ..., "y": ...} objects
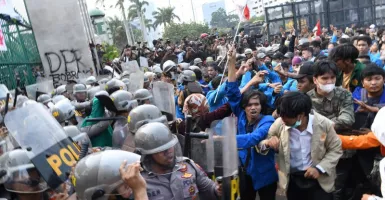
[{"x": 183, "y": 8}]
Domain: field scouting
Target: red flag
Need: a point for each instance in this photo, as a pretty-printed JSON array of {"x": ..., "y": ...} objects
[
  {"x": 246, "y": 12},
  {"x": 318, "y": 28}
]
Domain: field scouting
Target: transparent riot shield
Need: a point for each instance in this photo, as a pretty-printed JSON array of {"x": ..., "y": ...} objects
[
  {"x": 130, "y": 67},
  {"x": 228, "y": 173},
  {"x": 136, "y": 81},
  {"x": 51, "y": 150},
  {"x": 112, "y": 71},
  {"x": 3, "y": 92},
  {"x": 163, "y": 95},
  {"x": 39, "y": 88}
]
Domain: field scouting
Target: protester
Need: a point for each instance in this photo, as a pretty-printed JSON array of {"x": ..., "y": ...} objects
[
  {"x": 312, "y": 145},
  {"x": 252, "y": 128}
]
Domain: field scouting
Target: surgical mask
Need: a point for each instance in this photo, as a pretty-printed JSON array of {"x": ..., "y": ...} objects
[
  {"x": 297, "y": 123},
  {"x": 274, "y": 63},
  {"x": 327, "y": 88}
]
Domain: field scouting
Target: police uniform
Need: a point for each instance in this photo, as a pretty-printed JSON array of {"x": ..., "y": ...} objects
[
  {"x": 80, "y": 110},
  {"x": 188, "y": 182}
]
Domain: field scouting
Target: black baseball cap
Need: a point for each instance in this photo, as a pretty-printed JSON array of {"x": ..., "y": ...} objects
[{"x": 305, "y": 70}]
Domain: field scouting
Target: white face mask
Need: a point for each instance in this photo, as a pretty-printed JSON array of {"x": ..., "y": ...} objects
[{"x": 327, "y": 88}]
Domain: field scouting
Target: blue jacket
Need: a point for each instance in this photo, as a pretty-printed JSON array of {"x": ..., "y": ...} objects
[
  {"x": 261, "y": 168},
  {"x": 357, "y": 94},
  {"x": 221, "y": 99},
  {"x": 272, "y": 77}
]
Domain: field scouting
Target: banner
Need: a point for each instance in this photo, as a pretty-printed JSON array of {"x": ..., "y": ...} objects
[{"x": 3, "y": 46}]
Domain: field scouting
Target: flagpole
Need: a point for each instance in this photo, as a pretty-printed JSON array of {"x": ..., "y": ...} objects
[{"x": 227, "y": 61}]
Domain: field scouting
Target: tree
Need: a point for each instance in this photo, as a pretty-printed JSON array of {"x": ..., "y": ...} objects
[
  {"x": 119, "y": 4},
  {"x": 116, "y": 27},
  {"x": 164, "y": 16},
  {"x": 133, "y": 9},
  {"x": 137, "y": 9},
  {"x": 148, "y": 24},
  {"x": 175, "y": 32},
  {"x": 220, "y": 19}
]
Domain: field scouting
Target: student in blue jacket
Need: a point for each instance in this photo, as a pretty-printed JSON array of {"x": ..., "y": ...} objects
[{"x": 260, "y": 173}]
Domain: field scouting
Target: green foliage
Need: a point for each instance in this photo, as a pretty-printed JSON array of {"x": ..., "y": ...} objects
[
  {"x": 220, "y": 19},
  {"x": 110, "y": 52},
  {"x": 136, "y": 5},
  {"x": 164, "y": 16},
  {"x": 117, "y": 31},
  {"x": 175, "y": 32}
]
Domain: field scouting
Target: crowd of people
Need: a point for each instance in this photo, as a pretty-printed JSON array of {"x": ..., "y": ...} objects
[{"x": 309, "y": 112}]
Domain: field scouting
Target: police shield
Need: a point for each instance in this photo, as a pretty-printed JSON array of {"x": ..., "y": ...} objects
[
  {"x": 39, "y": 88},
  {"x": 163, "y": 95},
  {"x": 51, "y": 150},
  {"x": 3, "y": 92},
  {"x": 136, "y": 81},
  {"x": 229, "y": 170}
]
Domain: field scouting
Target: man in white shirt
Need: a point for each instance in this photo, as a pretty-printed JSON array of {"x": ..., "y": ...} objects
[{"x": 308, "y": 149}]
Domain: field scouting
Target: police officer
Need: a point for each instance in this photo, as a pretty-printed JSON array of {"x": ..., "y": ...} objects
[
  {"x": 21, "y": 178},
  {"x": 64, "y": 112},
  {"x": 61, "y": 90},
  {"x": 126, "y": 81},
  {"x": 98, "y": 177},
  {"x": 74, "y": 133},
  {"x": 44, "y": 99},
  {"x": 124, "y": 103},
  {"x": 92, "y": 81},
  {"x": 143, "y": 96},
  {"x": 169, "y": 72},
  {"x": 114, "y": 85},
  {"x": 138, "y": 117},
  {"x": 168, "y": 176},
  {"x": 82, "y": 106}
]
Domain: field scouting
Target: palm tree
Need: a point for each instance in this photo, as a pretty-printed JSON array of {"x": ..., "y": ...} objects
[
  {"x": 148, "y": 24},
  {"x": 137, "y": 5},
  {"x": 116, "y": 27},
  {"x": 164, "y": 16},
  {"x": 119, "y": 4},
  {"x": 137, "y": 9}
]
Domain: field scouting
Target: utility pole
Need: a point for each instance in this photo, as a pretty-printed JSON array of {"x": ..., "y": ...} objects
[{"x": 192, "y": 6}]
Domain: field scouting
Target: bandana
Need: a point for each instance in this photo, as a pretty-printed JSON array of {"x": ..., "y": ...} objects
[{"x": 195, "y": 105}]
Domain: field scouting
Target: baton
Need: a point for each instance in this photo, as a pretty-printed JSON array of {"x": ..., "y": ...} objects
[
  {"x": 99, "y": 119},
  {"x": 6, "y": 104},
  {"x": 187, "y": 139},
  {"x": 16, "y": 91},
  {"x": 199, "y": 135}
]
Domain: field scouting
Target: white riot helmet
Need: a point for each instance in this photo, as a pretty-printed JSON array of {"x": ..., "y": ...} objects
[
  {"x": 91, "y": 80},
  {"x": 98, "y": 177},
  {"x": 169, "y": 66},
  {"x": 19, "y": 175},
  {"x": 123, "y": 100}
]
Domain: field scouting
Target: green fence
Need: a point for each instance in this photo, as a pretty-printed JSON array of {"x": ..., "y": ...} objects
[{"x": 21, "y": 60}]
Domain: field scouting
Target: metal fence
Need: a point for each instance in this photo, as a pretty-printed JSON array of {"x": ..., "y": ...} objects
[
  {"x": 21, "y": 60},
  {"x": 340, "y": 13}
]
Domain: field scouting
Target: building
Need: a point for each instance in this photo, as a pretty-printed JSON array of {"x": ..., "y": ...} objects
[
  {"x": 102, "y": 32},
  {"x": 209, "y": 8},
  {"x": 258, "y": 6}
]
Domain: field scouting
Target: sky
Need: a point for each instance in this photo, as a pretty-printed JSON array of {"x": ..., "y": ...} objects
[{"x": 183, "y": 8}]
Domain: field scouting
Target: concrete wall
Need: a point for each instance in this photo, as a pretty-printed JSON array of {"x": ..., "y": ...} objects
[{"x": 61, "y": 39}]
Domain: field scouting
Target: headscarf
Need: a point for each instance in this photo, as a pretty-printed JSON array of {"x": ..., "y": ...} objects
[{"x": 196, "y": 105}]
